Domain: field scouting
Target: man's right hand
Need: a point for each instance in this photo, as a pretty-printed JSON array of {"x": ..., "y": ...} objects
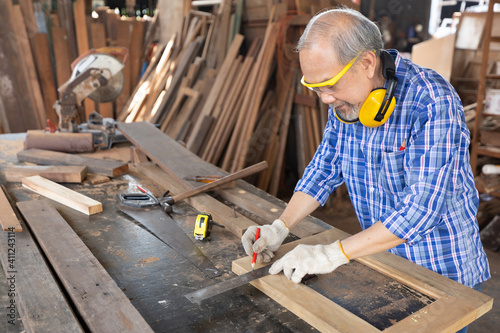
[{"x": 271, "y": 237}]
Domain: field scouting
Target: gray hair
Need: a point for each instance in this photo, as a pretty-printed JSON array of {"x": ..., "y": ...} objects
[{"x": 347, "y": 30}]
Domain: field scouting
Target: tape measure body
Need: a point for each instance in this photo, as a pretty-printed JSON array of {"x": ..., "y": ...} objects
[{"x": 203, "y": 226}]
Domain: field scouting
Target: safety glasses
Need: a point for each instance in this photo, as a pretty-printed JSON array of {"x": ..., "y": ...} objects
[{"x": 333, "y": 80}]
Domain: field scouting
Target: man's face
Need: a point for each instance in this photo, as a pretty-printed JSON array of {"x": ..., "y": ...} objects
[{"x": 319, "y": 64}]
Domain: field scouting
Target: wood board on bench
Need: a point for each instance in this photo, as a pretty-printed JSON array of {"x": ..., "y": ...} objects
[
  {"x": 100, "y": 302},
  {"x": 178, "y": 163},
  {"x": 454, "y": 305}
]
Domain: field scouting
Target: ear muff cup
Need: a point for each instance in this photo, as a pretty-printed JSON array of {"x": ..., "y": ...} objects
[{"x": 369, "y": 113}]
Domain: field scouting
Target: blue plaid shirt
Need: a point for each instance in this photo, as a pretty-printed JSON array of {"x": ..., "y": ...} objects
[{"x": 424, "y": 193}]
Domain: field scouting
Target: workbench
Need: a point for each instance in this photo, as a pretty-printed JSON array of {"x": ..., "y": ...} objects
[{"x": 155, "y": 278}]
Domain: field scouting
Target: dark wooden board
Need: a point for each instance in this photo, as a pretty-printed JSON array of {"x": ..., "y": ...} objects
[
  {"x": 108, "y": 168},
  {"x": 100, "y": 302},
  {"x": 41, "y": 303}
]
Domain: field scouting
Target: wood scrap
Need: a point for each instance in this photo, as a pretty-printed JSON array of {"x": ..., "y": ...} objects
[
  {"x": 59, "y": 174},
  {"x": 108, "y": 168},
  {"x": 62, "y": 195},
  {"x": 94, "y": 179},
  {"x": 8, "y": 218},
  {"x": 85, "y": 280}
]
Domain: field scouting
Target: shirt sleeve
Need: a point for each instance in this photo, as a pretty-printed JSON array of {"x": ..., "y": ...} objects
[
  {"x": 323, "y": 174},
  {"x": 432, "y": 156}
]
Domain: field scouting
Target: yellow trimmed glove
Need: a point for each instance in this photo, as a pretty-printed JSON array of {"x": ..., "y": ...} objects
[
  {"x": 310, "y": 259},
  {"x": 271, "y": 237}
]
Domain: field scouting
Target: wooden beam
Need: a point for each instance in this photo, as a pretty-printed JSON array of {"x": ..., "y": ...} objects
[
  {"x": 46, "y": 75},
  {"x": 103, "y": 167},
  {"x": 61, "y": 54},
  {"x": 62, "y": 194},
  {"x": 100, "y": 302},
  {"x": 455, "y": 307},
  {"x": 37, "y": 292},
  {"x": 8, "y": 218},
  {"x": 59, "y": 174}
]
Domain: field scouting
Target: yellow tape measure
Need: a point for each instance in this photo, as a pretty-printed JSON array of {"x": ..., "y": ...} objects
[{"x": 203, "y": 226}]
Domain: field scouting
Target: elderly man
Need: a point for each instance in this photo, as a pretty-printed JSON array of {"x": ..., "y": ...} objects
[{"x": 396, "y": 136}]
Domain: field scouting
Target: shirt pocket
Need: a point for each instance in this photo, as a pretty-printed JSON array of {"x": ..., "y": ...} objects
[{"x": 391, "y": 178}]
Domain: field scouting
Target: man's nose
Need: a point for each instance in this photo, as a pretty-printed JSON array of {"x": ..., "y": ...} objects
[{"x": 327, "y": 97}]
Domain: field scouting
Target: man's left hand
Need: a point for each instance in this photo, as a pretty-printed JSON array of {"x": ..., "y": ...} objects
[{"x": 310, "y": 259}]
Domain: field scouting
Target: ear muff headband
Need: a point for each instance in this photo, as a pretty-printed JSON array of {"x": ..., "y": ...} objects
[{"x": 380, "y": 103}]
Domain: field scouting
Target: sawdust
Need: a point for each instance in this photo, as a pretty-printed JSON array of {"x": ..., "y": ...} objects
[
  {"x": 147, "y": 261},
  {"x": 117, "y": 252}
]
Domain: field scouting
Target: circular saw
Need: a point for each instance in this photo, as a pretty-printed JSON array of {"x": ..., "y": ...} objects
[{"x": 97, "y": 74}]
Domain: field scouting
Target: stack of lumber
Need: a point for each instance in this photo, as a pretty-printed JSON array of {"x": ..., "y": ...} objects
[
  {"x": 231, "y": 99},
  {"x": 39, "y": 44}
]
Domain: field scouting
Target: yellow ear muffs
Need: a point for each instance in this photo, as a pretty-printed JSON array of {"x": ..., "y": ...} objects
[{"x": 371, "y": 113}]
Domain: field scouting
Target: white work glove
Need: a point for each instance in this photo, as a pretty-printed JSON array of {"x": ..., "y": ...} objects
[
  {"x": 310, "y": 259},
  {"x": 271, "y": 237}
]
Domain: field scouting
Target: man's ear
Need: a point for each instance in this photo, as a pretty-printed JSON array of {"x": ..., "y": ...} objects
[{"x": 369, "y": 64}]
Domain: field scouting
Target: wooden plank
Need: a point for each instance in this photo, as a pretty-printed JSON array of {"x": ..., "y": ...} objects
[
  {"x": 61, "y": 54},
  {"x": 101, "y": 303},
  {"x": 136, "y": 42},
  {"x": 82, "y": 37},
  {"x": 93, "y": 178},
  {"x": 41, "y": 303},
  {"x": 456, "y": 305},
  {"x": 108, "y": 168},
  {"x": 236, "y": 224},
  {"x": 59, "y": 174},
  {"x": 123, "y": 32},
  {"x": 28, "y": 68},
  {"x": 66, "y": 20},
  {"x": 45, "y": 74},
  {"x": 62, "y": 195},
  {"x": 13, "y": 93},
  {"x": 8, "y": 218},
  {"x": 193, "y": 143},
  {"x": 153, "y": 142},
  {"x": 435, "y": 53}
]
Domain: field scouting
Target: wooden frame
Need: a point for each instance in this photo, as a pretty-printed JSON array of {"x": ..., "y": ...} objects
[{"x": 455, "y": 305}]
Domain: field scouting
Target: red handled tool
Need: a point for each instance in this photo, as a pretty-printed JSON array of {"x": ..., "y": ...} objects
[{"x": 254, "y": 258}]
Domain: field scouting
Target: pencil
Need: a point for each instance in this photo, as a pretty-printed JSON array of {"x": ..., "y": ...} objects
[{"x": 254, "y": 258}]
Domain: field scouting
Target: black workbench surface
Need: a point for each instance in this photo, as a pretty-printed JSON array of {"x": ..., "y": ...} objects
[{"x": 155, "y": 278}]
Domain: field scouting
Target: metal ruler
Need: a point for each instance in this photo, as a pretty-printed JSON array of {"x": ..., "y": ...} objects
[
  {"x": 207, "y": 292},
  {"x": 160, "y": 224}
]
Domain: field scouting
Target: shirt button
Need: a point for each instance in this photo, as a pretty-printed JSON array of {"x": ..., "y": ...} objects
[{"x": 372, "y": 189}]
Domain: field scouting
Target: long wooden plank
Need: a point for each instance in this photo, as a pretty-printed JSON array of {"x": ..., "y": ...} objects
[
  {"x": 194, "y": 143},
  {"x": 101, "y": 303},
  {"x": 45, "y": 74},
  {"x": 177, "y": 163},
  {"x": 61, "y": 54},
  {"x": 59, "y": 174},
  {"x": 8, "y": 218},
  {"x": 456, "y": 305},
  {"x": 41, "y": 303},
  {"x": 94, "y": 165},
  {"x": 236, "y": 224},
  {"x": 82, "y": 36},
  {"x": 62, "y": 195},
  {"x": 38, "y": 111}
]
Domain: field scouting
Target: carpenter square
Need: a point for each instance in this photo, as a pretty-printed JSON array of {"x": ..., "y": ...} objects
[{"x": 207, "y": 292}]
